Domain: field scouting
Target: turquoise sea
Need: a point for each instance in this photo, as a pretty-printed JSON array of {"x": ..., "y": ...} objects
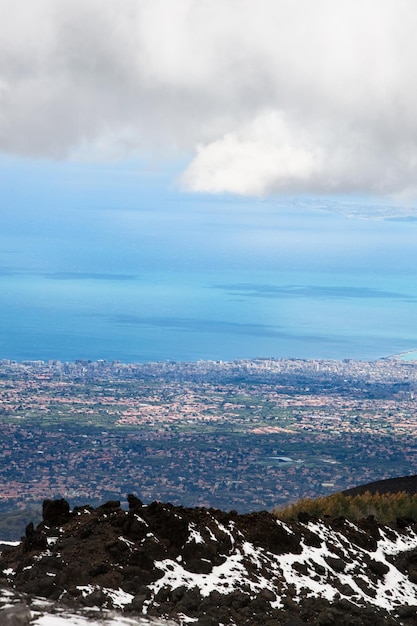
[
  {"x": 217, "y": 281},
  {"x": 408, "y": 356}
]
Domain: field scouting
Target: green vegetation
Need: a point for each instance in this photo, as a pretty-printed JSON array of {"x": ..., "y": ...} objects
[{"x": 385, "y": 507}]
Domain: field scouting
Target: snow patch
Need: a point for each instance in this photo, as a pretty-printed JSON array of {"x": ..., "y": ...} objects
[{"x": 119, "y": 597}]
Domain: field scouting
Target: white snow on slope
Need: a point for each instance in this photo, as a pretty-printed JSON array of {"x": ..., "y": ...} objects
[
  {"x": 77, "y": 620},
  {"x": 46, "y": 613},
  {"x": 310, "y": 573},
  {"x": 333, "y": 567}
]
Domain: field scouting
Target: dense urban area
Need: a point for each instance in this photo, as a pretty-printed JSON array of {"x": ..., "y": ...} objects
[{"x": 244, "y": 435}]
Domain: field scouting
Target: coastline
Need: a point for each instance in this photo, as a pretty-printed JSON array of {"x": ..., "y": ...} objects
[{"x": 409, "y": 355}]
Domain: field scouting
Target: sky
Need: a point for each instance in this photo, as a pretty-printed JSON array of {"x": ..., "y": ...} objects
[
  {"x": 196, "y": 136},
  {"x": 231, "y": 96}
]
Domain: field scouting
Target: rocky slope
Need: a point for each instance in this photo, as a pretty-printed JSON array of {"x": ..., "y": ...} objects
[
  {"x": 208, "y": 567},
  {"x": 18, "y": 609}
]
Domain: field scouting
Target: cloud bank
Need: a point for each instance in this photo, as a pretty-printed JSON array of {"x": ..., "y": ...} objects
[{"x": 265, "y": 97}]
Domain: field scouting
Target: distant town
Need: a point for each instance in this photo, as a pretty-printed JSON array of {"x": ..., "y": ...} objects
[{"x": 244, "y": 435}]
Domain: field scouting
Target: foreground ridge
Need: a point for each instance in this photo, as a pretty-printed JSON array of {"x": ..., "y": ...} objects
[
  {"x": 406, "y": 484},
  {"x": 209, "y": 567}
]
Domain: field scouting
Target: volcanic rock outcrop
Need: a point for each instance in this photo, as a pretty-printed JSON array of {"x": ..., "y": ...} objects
[{"x": 209, "y": 567}]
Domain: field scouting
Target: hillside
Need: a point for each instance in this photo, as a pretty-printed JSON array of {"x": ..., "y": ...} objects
[
  {"x": 208, "y": 567},
  {"x": 406, "y": 484}
]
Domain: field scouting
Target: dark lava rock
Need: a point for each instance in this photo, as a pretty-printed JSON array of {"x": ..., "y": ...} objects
[
  {"x": 111, "y": 548},
  {"x": 407, "y": 563},
  {"x": 295, "y": 621},
  {"x": 207, "y": 620},
  {"x": 326, "y": 617},
  {"x": 55, "y": 512},
  {"x": 134, "y": 502},
  {"x": 377, "y": 568},
  {"x": 109, "y": 506},
  {"x": 198, "y": 566},
  {"x": 95, "y": 598},
  {"x": 262, "y": 529},
  {"x": 407, "y": 611},
  {"x": 338, "y": 565},
  {"x": 34, "y": 539},
  {"x": 17, "y": 615}
]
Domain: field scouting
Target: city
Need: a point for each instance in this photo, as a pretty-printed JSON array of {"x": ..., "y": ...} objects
[{"x": 244, "y": 435}]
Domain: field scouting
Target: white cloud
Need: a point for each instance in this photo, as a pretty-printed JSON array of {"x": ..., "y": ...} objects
[
  {"x": 267, "y": 96},
  {"x": 264, "y": 157}
]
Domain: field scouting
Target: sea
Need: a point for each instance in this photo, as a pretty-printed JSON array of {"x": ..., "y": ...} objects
[{"x": 193, "y": 280}]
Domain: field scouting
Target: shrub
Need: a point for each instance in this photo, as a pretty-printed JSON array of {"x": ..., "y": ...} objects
[{"x": 385, "y": 507}]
